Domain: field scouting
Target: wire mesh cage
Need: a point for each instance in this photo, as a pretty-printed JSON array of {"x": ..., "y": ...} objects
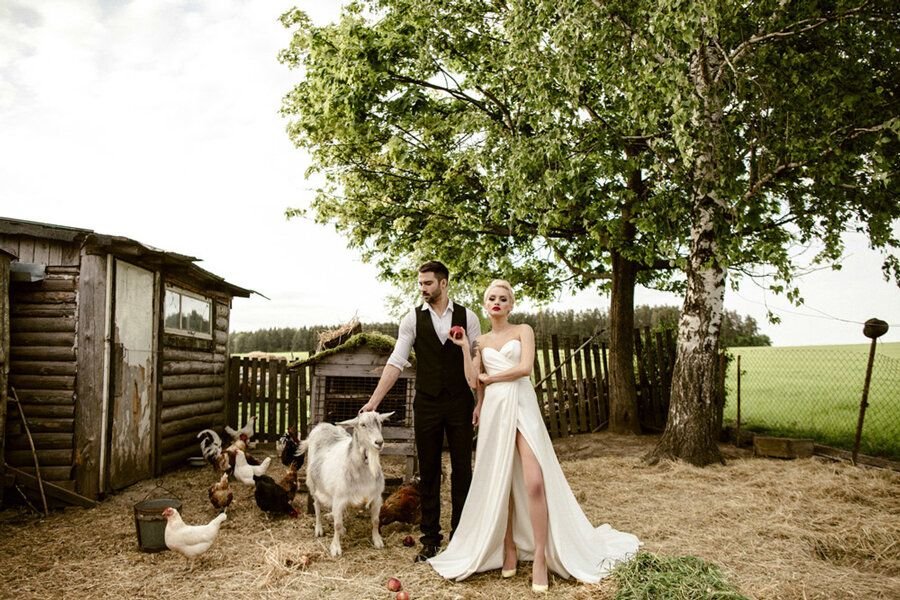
[{"x": 339, "y": 398}]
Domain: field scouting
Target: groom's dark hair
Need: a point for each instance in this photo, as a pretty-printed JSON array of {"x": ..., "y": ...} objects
[{"x": 436, "y": 267}]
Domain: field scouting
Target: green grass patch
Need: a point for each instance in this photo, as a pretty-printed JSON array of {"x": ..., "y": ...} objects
[
  {"x": 648, "y": 576},
  {"x": 815, "y": 392}
]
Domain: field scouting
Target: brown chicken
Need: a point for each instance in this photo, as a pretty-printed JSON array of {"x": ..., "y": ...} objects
[
  {"x": 220, "y": 494},
  {"x": 289, "y": 482},
  {"x": 403, "y": 506}
]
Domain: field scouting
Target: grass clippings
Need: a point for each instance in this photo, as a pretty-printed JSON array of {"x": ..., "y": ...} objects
[
  {"x": 774, "y": 529},
  {"x": 673, "y": 578}
]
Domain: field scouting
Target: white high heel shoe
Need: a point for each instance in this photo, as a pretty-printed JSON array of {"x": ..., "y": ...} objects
[{"x": 507, "y": 573}]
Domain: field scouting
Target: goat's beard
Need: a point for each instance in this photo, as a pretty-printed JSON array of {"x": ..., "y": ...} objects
[{"x": 373, "y": 457}]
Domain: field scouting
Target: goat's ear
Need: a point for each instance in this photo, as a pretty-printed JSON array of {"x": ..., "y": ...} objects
[
  {"x": 350, "y": 422},
  {"x": 382, "y": 417}
]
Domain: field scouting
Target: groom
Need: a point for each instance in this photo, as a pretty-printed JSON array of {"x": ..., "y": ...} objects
[{"x": 443, "y": 402}]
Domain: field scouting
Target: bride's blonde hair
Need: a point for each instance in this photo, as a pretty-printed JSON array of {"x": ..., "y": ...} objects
[{"x": 504, "y": 285}]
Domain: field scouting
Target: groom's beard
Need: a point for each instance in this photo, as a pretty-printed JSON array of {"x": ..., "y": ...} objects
[{"x": 432, "y": 299}]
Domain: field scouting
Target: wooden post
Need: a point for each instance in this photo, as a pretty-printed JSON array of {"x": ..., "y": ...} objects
[
  {"x": 292, "y": 400},
  {"x": 737, "y": 427},
  {"x": 590, "y": 389},
  {"x": 873, "y": 329},
  {"x": 644, "y": 402},
  {"x": 303, "y": 406},
  {"x": 552, "y": 403},
  {"x": 271, "y": 431},
  {"x": 4, "y": 357},
  {"x": 560, "y": 389},
  {"x": 539, "y": 389}
]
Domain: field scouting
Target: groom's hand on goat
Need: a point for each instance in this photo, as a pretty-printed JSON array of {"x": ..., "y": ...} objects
[{"x": 368, "y": 406}]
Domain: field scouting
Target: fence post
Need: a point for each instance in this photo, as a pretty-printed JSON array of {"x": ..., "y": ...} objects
[
  {"x": 737, "y": 427},
  {"x": 873, "y": 329}
]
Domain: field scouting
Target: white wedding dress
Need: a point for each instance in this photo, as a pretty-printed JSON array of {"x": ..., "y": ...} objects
[{"x": 575, "y": 548}]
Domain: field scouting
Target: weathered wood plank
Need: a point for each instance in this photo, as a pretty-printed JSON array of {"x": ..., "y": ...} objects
[
  {"x": 60, "y": 476},
  {"x": 175, "y": 355},
  {"x": 184, "y": 411},
  {"x": 552, "y": 402},
  {"x": 91, "y": 332},
  {"x": 29, "y": 397},
  {"x": 42, "y": 426},
  {"x": 54, "y": 338},
  {"x": 55, "y": 353},
  {"x": 52, "y": 490},
  {"x": 4, "y": 355},
  {"x": 193, "y": 367},
  {"x": 187, "y": 396},
  {"x": 181, "y": 382},
  {"x": 42, "y": 382},
  {"x": 45, "y": 441},
  {"x": 44, "y": 311},
  {"x": 176, "y": 459},
  {"x": 43, "y": 367},
  {"x": 560, "y": 388},
  {"x": 40, "y": 297},
  {"x": 36, "y": 412},
  {"x": 51, "y": 458},
  {"x": 182, "y": 441},
  {"x": 42, "y": 325},
  {"x": 194, "y": 424}
]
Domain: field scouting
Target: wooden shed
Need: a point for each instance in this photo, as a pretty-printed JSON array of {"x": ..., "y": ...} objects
[
  {"x": 343, "y": 378},
  {"x": 118, "y": 355}
]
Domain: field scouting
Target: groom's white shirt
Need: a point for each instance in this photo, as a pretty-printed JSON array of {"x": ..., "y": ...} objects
[{"x": 406, "y": 336}]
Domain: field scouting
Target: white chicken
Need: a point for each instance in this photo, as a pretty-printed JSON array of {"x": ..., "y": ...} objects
[
  {"x": 244, "y": 471},
  {"x": 190, "y": 540},
  {"x": 244, "y": 433}
]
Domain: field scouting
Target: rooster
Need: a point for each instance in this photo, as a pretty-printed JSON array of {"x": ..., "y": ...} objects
[
  {"x": 404, "y": 506},
  {"x": 244, "y": 471},
  {"x": 190, "y": 540},
  {"x": 288, "y": 448},
  {"x": 271, "y": 497},
  {"x": 220, "y": 494},
  {"x": 222, "y": 461}
]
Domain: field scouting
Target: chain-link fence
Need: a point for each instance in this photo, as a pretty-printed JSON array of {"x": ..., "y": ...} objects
[{"x": 815, "y": 392}]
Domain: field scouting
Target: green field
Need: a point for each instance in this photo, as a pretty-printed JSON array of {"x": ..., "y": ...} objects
[{"x": 815, "y": 391}]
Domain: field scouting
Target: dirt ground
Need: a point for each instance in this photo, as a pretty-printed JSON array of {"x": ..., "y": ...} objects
[{"x": 778, "y": 529}]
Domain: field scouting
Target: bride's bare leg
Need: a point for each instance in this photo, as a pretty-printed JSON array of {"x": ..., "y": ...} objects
[
  {"x": 510, "y": 557},
  {"x": 537, "y": 508}
]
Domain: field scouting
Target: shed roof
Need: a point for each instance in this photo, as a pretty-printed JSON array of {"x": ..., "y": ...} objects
[
  {"x": 377, "y": 342},
  {"x": 122, "y": 247}
]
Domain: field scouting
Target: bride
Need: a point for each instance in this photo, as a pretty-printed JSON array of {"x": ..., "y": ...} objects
[{"x": 520, "y": 505}]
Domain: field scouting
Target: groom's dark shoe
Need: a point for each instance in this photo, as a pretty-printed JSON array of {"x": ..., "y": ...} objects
[{"x": 427, "y": 552}]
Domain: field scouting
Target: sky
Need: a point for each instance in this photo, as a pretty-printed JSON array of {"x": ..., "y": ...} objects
[{"x": 158, "y": 120}]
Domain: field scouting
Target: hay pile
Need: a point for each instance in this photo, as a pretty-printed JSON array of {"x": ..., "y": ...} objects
[{"x": 777, "y": 529}]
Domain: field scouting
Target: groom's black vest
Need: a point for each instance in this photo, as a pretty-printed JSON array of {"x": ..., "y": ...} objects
[{"x": 439, "y": 366}]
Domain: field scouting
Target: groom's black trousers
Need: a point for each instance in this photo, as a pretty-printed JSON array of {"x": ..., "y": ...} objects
[{"x": 449, "y": 413}]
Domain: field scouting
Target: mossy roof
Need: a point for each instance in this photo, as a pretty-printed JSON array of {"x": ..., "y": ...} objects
[{"x": 374, "y": 341}]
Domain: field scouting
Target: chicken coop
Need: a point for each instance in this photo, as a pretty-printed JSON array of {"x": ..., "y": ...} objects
[{"x": 343, "y": 378}]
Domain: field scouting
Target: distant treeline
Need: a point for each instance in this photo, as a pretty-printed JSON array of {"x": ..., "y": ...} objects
[{"x": 736, "y": 330}]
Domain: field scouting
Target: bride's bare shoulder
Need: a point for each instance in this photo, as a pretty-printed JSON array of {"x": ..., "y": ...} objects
[{"x": 524, "y": 332}]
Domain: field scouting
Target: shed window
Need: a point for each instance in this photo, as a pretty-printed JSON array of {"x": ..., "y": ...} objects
[{"x": 188, "y": 314}]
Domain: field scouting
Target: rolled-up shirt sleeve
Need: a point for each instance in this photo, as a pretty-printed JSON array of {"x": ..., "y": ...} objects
[{"x": 406, "y": 336}]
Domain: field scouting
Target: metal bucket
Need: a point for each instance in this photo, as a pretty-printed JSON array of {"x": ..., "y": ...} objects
[{"x": 150, "y": 524}]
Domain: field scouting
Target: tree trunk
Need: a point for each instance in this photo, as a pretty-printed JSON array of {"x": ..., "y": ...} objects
[
  {"x": 692, "y": 428},
  {"x": 691, "y": 432},
  {"x": 623, "y": 415}
]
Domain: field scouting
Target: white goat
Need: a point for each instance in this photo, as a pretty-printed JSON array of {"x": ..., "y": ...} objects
[{"x": 345, "y": 470}]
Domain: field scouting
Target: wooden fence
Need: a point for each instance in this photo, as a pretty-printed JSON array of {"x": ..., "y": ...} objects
[{"x": 571, "y": 376}]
